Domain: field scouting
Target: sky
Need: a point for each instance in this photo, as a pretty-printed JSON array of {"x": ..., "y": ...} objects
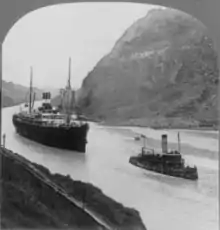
[{"x": 47, "y": 37}]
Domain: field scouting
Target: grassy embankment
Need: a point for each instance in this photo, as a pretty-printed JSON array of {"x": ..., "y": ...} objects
[{"x": 27, "y": 202}]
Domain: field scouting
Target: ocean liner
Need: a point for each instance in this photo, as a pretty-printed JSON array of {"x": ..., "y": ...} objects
[
  {"x": 169, "y": 163},
  {"x": 52, "y": 127}
]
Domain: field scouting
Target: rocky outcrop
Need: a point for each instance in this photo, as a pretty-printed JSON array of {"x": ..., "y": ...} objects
[
  {"x": 32, "y": 197},
  {"x": 162, "y": 72}
]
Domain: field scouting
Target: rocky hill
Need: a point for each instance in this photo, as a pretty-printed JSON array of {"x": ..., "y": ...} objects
[{"x": 163, "y": 72}]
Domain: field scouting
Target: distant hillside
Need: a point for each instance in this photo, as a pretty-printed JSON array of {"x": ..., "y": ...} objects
[
  {"x": 162, "y": 72},
  {"x": 7, "y": 101},
  {"x": 13, "y": 94}
]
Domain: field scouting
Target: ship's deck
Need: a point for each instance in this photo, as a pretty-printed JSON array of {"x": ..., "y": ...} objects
[{"x": 48, "y": 119}]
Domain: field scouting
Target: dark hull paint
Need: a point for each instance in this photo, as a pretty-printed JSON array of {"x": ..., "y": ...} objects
[
  {"x": 190, "y": 174},
  {"x": 73, "y": 138}
]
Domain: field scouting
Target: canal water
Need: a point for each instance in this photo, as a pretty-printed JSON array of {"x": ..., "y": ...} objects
[{"x": 163, "y": 202}]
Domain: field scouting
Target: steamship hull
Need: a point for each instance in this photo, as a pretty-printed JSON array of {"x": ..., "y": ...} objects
[
  {"x": 185, "y": 173},
  {"x": 72, "y": 138}
]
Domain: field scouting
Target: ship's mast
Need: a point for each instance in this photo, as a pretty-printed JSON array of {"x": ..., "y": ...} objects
[
  {"x": 69, "y": 93},
  {"x": 69, "y": 78},
  {"x": 30, "y": 97},
  {"x": 179, "y": 147},
  {"x": 144, "y": 143},
  {"x": 144, "y": 140}
]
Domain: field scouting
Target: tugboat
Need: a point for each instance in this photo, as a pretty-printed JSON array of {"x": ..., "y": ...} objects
[
  {"x": 48, "y": 126},
  {"x": 168, "y": 163}
]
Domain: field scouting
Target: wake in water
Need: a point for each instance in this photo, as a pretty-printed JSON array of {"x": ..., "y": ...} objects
[{"x": 206, "y": 140}]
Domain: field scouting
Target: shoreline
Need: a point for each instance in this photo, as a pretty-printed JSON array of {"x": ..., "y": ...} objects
[
  {"x": 134, "y": 124},
  {"x": 16, "y": 104},
  {"x": 186, "y": 128}
]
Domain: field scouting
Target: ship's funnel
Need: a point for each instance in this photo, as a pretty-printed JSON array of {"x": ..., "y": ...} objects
[{"x": 164, "y": 143}]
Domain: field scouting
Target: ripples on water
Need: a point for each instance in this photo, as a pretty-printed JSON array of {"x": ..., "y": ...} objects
[{"x": 163, "y": 202}]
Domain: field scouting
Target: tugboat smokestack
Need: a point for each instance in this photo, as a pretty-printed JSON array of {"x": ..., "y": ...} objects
[
  {"x": 170, "y": 163},
  {"x": 164, "y": 144}
]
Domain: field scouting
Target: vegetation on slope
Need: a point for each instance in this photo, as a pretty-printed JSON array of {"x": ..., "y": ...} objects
[
  {"x": 27, "y": 202},
  {"x": 112, "y": 211}
]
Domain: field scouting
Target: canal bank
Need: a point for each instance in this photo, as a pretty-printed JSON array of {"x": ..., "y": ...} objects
[{"x": 35, "y": 198}]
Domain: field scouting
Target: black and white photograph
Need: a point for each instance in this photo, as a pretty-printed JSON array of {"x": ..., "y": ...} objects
[{"x": 109, "y": 118}]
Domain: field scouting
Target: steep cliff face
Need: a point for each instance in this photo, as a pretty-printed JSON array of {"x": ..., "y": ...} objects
[{"x": 162, "y": 71}]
